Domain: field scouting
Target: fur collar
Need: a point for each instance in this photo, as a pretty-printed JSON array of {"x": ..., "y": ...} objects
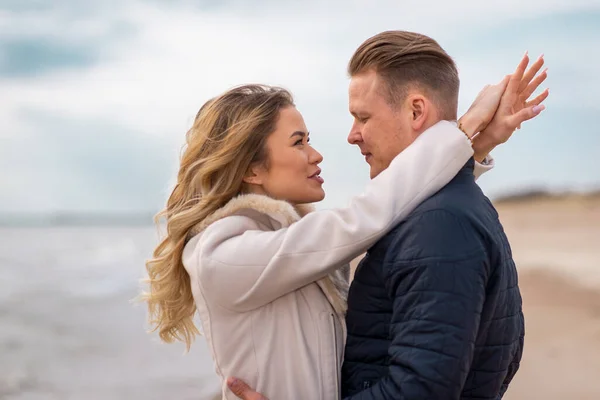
[{"x": 279, "y": 210}]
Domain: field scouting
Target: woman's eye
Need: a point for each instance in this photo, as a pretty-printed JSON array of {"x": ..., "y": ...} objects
[{"x": 298, "y": 142}]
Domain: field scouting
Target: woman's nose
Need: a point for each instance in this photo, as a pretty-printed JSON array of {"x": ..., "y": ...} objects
[{"x": 315, "y": 156}]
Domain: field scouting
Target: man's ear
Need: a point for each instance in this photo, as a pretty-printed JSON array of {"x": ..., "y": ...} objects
[
  {"x": 254, "y": 175},
  {"x": 419, "y": 108}
]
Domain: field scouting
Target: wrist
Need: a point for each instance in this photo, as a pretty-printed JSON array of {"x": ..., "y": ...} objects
[
  {"x": 469, "y": 125},
  {"x": 481, "y": 148}
]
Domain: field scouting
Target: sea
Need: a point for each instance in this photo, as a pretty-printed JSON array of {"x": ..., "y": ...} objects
[{"x": 69, "y": 329}]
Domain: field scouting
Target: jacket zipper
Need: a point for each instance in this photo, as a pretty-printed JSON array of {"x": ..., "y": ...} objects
[{"x": 336, "y": 362}]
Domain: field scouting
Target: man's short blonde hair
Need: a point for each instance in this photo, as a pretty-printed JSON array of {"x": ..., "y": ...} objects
[{"x": 407, "y": 60}]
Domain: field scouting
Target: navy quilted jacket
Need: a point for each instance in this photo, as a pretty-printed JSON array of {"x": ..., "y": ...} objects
[{"x": 434, "y": 310}]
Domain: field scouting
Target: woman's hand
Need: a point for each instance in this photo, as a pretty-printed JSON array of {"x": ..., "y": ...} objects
[
  {"x": 514, "y": 108},
  {"x": 500, "y": 109},
  {"x": 529, "y": 84},
  {"x": 483, "y": 108}
]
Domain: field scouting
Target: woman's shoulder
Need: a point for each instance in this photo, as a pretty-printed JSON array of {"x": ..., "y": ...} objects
[
  {"x": 245, "y": 213},
  {"x": 200, "y": 243},
  {"x": 262, "y": 211},
  {"x": 227, "y": 227}
]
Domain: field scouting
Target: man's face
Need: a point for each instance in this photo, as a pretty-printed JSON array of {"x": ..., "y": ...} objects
[{"x": 379, "y": 130}]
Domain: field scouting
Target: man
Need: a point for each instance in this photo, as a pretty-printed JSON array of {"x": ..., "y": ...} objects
[{"x": 434, "y": 310}]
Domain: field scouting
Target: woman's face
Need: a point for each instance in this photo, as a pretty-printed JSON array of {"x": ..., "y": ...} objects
[{"x": 293, "y": 167}]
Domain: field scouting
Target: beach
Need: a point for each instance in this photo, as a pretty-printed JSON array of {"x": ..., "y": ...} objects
[
  {"x": 68, "y": 328},
  {"x": 556, "y": 244}
]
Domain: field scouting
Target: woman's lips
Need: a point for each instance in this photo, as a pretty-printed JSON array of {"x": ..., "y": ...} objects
[{"x": 317, "y": 178}]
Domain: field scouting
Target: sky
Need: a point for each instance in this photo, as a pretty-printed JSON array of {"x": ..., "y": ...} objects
[{"x": 96, "y": 97}]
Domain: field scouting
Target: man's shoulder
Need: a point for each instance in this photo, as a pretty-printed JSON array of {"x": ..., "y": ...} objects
[
  {"x": 462, "y": 198},
  {"x": 443, "y": 225},
  {"x": 449, "y": 200},
  {"x": 454, "y": 197}
]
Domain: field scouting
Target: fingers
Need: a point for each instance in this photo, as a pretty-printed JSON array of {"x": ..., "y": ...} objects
[
  {"x": 511, "y": 95},
  {"x": 538, "y": 100},
  {"x": 242, "y": 390},
  {"x": 238, "y": 387},
  {"x": 531, "y": 72},
  {"x": 531, "y": 87},
  {"x": 517, "y": 76},
  {"x": 500, "y": 86},
  {"x": 525, "y": 115},
  {"x": 504, "y": 82}
]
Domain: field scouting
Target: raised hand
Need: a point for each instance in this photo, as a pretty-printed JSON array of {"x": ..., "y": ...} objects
[
  {"x": 514, "y": 107},
  {"x": 529, "y": 84}
]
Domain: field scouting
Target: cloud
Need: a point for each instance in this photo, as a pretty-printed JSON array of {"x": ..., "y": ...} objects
[
  {"x": 84, "y": 165},
  {"x": 29, "y": 57}
]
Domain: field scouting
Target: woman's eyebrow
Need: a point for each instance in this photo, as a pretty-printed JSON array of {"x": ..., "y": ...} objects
[{"x": 299, "y": 133}]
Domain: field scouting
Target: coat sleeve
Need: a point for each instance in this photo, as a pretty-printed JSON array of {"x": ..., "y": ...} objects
[
  {"x": 436, "y": 273},
  {"x": 243, "y": 268},
  {"x": 485, "y": 166}
]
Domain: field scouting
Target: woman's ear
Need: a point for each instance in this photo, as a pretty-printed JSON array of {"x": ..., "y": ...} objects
[{"x": 254, "y": 175}]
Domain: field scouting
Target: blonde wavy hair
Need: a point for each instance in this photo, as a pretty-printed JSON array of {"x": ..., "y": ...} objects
[{"x": 229, "y": 135}]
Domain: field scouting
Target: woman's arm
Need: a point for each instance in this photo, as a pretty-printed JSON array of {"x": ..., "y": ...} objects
[{"x": 242, "y": 267}]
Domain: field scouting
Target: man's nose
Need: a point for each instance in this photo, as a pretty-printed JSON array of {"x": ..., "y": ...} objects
[{"x": 354, "y": 136}]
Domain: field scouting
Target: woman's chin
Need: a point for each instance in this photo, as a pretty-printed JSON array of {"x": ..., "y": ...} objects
[
  {"x": 317, "y": 196},
  {"x": 313, "y": 195}
]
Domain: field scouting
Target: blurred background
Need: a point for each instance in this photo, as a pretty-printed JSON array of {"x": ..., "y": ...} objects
[{"x": 95, "y": 100}]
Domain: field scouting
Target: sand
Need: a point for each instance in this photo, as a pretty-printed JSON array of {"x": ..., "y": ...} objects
[
  {"x": 562, "y": 346},
  {"x": 556, "y": 245}
]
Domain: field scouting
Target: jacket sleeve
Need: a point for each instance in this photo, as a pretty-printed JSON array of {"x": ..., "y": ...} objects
[
  {"x": 243, "y": 268},
  {"x": 437, "y": 274}
]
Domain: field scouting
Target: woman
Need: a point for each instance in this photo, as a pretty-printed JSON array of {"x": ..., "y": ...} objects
[{"x": 267, "y": 275}]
